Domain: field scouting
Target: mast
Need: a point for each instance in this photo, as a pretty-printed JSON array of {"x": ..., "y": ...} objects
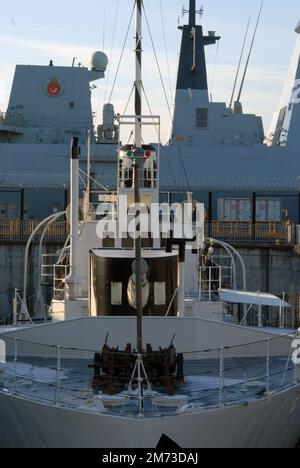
[
  {"x": 138, "y": 75},
  {"x": 192, "y": 73},
  {"x": 138, "y": 158},
  {"x": 192, "y": 13},
  {"x": 239, "y": 64},
  {"x": 74, "y": 281},
  {"x": 74, "y": 205},
  {"x": 250, "y": 52}
]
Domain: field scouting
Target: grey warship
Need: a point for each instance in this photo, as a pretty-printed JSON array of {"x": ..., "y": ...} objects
[
  {"x": 196, "y": 376},
  {"x": 216, "y": 151}
]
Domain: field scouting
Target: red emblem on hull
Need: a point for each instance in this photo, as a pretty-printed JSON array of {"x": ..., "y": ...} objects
[{"x": 54, "y": 88}]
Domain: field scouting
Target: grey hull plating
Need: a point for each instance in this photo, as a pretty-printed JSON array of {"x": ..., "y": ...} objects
[{"x": 269, "y": 423}]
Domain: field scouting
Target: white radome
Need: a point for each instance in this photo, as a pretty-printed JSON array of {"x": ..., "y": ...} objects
[{"x": 99, "y": 61}]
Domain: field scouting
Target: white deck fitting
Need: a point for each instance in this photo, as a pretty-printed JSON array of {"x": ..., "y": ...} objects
[{"x": 254, "y": 298}]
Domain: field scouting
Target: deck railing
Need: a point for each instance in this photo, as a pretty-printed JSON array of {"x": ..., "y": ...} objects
[
  {"x": 212, "y": 378},
  {"x": 16, "y": 230},
  {"x": 266, "y": 233},
  {"x": 272, "y": 233}
]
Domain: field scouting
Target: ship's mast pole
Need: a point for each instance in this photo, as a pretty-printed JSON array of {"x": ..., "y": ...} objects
[
  {"x": 137, "y": 165},
  {"x": 192, "y": 13},
  {"x": 138, "y": 74},
  {"x": 250, "y": 51}
]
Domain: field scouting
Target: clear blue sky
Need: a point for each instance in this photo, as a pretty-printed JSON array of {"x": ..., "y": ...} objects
[{"x": 32, "y": 32}]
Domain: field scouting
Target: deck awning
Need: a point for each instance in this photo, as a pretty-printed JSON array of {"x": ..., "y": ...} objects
[{"x": 254, "y": 298}]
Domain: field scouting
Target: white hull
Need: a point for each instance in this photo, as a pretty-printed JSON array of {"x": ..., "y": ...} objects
[{"x": 268, "y": 423}]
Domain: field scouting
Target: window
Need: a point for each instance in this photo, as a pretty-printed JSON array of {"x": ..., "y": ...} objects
[
  {"x": 241, "y": 209},
  {"x": 202, "y": 117}
]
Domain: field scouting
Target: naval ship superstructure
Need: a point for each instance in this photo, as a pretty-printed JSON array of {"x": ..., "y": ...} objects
[
  {"x": 164, "y": 373},
  {"x": 219, "y": 153}
]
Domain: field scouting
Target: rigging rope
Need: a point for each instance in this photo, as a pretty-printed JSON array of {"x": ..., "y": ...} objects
[
  {"x": 183, "y": 166},
  {"x": 100, "y": 92},
  {"x": 95, "y": 181},
  {"x": 165, "y": 95},
  {"x": 82, "y": 181},
  {"x": 151, "y": 113},
  {"x": 166, "y": 49},
  {"x": 125, "y": 110},
  {"x": 111, "y": 49},
  {"x": 158, "y": 66},
  {"x": 121, "y": 56},
  {"x": 239, "y": 64},
  {"x": 128, "y": 102},
  {"x": 214, "y": 71},
  {"x": 104, "y": 25}
]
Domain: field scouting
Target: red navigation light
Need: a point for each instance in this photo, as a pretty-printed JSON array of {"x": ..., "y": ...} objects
[{"x": 148, "y": 154}]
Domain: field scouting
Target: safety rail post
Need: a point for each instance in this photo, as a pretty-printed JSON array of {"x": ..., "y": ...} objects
[
  {"x": 15, "y": 364},
  {"x": 200, "y": 284},
  {"x": 280, "y": 322},
  {"x": 268, "y": 374},
  {"x": 221, "y": 377},
  {"x": 58, "y": 370},
  {"x": 282, "y": 311},
  {"x": 259, "y": 317},
  {"x": 293, "y": 318},
  {"x": 209, "y": 283},
  {"x": 15, "y": 307}
]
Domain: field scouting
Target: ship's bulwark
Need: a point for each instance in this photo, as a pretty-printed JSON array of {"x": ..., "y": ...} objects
[
  {"x": 272, "y": 421},
  {"x": 268, "y": 423}
]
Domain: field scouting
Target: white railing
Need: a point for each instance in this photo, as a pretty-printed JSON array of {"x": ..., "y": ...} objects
[
  {"x": 211, "y": 279},
  {"x": 273, "y": 317},
  {"x": 56, "y": 375},
  {"x": 60, "y": 272},
  {"x": 48, "y": 260}
]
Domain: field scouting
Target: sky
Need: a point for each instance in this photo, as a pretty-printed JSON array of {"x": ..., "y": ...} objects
[{"x": 33, "y": 32}]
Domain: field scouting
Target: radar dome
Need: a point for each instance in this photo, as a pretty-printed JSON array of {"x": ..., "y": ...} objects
[
  {"x": 99, "y": 61},
  {"x": 298, "y": 28}
]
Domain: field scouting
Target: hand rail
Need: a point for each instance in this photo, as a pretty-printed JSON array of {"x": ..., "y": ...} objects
[
  {"x": 213, "y": 378},
  {"x": 271, "y": 233}
]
